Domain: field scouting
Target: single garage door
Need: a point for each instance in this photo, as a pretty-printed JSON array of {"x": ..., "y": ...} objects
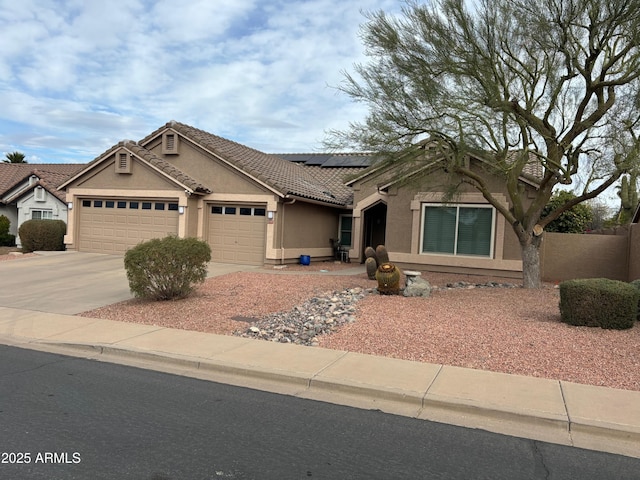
[
  {"x": 236, "y": 233},
  {"x": 114, "y": 226}
]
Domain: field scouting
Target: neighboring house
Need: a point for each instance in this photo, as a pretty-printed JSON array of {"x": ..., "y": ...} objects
[
  {"x": 251, "y": 207},
  {"x": 30, "y": 191}
]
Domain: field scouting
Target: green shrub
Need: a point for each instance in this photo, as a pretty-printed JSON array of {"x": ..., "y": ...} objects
[
  {"x": 636, "y": 283},
  {"x": 167, "y": 268},
  {"x": 5, "y": 223},
  {"x": 599, "y": 302},
  {"x": 6, "y": 239},
  {"x": 42, "y": 235}
]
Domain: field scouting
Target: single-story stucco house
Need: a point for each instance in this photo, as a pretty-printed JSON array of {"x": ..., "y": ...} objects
[
  {"x": 251, "y": 207},
  {"x": 30, "y": 192},
  {"x": 259, "y": 208}
]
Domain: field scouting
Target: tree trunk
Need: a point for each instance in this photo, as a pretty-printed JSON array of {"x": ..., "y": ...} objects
[{"x": 531, "y": 263}]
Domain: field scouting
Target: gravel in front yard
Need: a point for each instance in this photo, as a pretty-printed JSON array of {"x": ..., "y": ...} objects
[{"x": 508, "y": 330}]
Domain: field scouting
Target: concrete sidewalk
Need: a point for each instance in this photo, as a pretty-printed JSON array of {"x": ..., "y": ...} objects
[{"x": 554, "y": 411}]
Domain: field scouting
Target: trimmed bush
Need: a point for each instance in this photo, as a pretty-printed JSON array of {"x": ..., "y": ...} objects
[
  {"x": 636, "y": 283},
  {"x": 599, "y": 302},
  {"x": 167, "y": 268},
  {"x": 45, "y": 235},
  {"x": 6, "y": 239}
]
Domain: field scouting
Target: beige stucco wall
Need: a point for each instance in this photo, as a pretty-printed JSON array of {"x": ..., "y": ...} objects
[
  {"x": 403, "y": 225},
  {"x": 141, "y": 177},
  {"x": 566, "y": 256},
  {"x": 213, "y": 173},
  {"x": 307, "y": 230}
]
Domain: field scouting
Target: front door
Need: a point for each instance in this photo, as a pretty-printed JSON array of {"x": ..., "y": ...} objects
[{"x": 375, "y": 225}]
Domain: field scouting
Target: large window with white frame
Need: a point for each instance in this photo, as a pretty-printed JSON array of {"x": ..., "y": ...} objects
[{"x": 457, "y": 229}]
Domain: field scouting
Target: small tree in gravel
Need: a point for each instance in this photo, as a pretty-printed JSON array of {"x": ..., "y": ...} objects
[{"x": 167, "y": 268}]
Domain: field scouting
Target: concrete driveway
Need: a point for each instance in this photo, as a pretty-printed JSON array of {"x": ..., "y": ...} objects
[{"x": 72, "y": 282}]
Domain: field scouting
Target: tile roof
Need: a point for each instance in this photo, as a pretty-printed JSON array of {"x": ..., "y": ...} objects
[
  {"x": 334, "y": 179},
  {"x": 51, "y": 175},
  {"x": 166, "y": 167},
  {"x": 161, "y": 164},
  {"x": 283, "y": 176}
]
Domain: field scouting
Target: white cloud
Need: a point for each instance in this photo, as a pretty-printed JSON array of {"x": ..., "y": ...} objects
[{"x": 77, "y": 76}]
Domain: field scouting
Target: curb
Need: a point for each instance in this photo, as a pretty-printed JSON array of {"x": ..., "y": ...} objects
[
  {"x": 552, "y": 428},
  {"x": 539, "y": 426}
]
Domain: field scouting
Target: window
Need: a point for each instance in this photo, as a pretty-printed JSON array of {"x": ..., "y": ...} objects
[
  {"x": 97, "y": 203},
  {"x": 458, "y": 230},
  {"x": 238, "y": 210},
  {"x": 346, "y": 229},
  {"x": 173, "y": 206},
  {"x": 86, "y": 203},
  {"x": 109, "y": 204},
  {"x": 146, "y": 205},
  {"x": 41, "y": 215},
  {"x": 122, "y": 204},
  {"x": 133, "y": 205},
  {"x": 159, "y": 206}
]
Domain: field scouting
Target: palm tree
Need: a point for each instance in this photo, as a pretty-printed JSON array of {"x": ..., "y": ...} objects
[{"x": 15, "y": 157}]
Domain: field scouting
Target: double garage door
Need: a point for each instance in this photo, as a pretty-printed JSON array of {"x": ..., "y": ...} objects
[
  {"x": 236, "y": 233},
  {"x": 114, "y": 226}
]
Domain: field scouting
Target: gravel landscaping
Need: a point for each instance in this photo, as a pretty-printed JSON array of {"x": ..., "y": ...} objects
[{"x": 510, "y": 330}]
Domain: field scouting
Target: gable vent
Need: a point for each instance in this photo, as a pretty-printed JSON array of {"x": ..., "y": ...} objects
[
  {"x": 170, "y": 143},
  {"x": 40, "y": 195},
  {"x": 123, "y": 162}
]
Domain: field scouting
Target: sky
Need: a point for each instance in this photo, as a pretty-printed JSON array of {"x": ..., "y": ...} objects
[{"x": 78, "y": 76}]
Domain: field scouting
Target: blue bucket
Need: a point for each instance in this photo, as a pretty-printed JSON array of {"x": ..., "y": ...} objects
[{"x": 305, "y": 259}]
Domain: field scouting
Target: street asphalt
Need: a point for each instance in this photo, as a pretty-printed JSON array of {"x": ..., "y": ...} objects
[{"x": 41, "y": 295}]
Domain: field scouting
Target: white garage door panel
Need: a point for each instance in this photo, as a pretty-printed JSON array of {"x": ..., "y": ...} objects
[
  {"x": 236, "y": 237},
  {"x": 114, "y": 230}
]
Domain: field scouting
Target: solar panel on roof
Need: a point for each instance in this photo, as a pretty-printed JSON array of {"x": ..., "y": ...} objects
[
  {"x": 328, "y": 159},
  {"x": 348, "y": 161}
]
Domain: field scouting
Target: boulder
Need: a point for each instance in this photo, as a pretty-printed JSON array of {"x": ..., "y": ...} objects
[{"x": 417, "y": 287}]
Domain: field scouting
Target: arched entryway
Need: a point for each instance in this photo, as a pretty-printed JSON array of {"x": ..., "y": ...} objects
[{"x": 374, "y": 226}]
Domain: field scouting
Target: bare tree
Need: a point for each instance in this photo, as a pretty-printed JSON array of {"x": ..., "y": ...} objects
[{"x": 555, "y": 82}]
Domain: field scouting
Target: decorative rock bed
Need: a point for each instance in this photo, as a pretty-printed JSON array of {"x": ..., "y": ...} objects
[{"x": 326, "y": 313}]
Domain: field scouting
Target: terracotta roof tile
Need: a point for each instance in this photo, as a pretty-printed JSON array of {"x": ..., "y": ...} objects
[
  {"x": 166, "y": 167},
  {"x": 51, "y": 175},
  {"x": 283, "y": 176}
]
